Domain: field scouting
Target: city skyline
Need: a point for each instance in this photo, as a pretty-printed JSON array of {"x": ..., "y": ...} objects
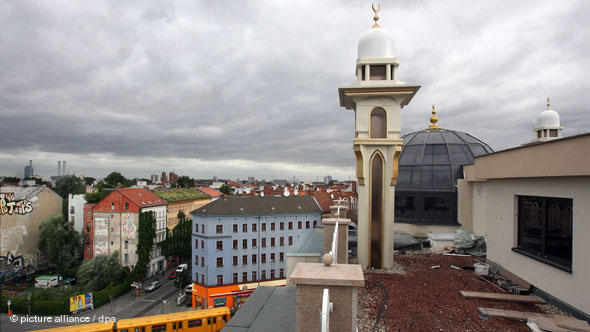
[{"x": 238, "y": 90}]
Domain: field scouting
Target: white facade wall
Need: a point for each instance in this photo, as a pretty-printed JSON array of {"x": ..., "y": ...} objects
[
  {"x": 157, "y": 262},
  {"x": 76, "y": 211},
  {"x": 495, "y": 216}
]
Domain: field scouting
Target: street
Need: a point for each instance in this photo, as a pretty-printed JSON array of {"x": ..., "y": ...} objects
[{"x": 160, "y": 301}]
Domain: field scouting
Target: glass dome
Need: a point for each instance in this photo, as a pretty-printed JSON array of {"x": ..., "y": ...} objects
[{"x": 430, "y": 163}]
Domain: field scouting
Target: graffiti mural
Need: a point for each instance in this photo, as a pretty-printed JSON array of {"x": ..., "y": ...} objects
[
  {"x": 9, "y": 206},
  {"x": 101, "y": 236},
  {"x": 128, "y": 227}
]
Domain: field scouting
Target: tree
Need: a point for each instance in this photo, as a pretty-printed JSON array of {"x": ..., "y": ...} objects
[
  {"x": 89, "y": 180},
  {"x": 115, "y": 178},
  {"x": 96, "y": 196},
  {"x": 178, "y": 241},
  {"x": 185, "y": 182},
  {"x": 182, "y": 280},
  {"x": 11, "y": 179},
  {"x": 331, "y": 183},
  {"x": 145, "y": 242},
  {"x": 69, "y": 184},
  {"x": 60, "y": 242},
  {"x": 97, "y": 273},
  {"x": 225, "y": 189}
]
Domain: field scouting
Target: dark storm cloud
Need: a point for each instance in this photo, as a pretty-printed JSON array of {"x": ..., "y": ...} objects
[{"x": 256, "y": 82}]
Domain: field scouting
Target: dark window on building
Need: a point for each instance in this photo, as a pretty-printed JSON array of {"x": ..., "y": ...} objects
[
  {"x": 290, "y": 225},
  {"x": 378, "y": 123},
  {"x": 272, "y": 241},
  {"x": 315, "y": 223},
  {"x": 202, "y": 244},
  {"x": 196, "y": 244},
  {"x": 307, "y": 224},
  {"x": 218, "y": 229},
  {"x": 126, "y": 206},
  {"x": 552, "y": 132},
  {"x": 244, "y": 276},
  {"x": 245, "y": 244},
  {"x": 290, "y": 240},
  {"x": 264, "y": 227},
  {"x": 235, "y": 244},
  {"x": 282, "y": 226},
  {"x": 245, "y": 228},
  {"x": 235, "y": 275},
  {"x": 282, "y": 256},
  {"x": 197, "y": 260},
  {"x": 282, "y": 273},
  {"x": 377, "y": 72},
  {"x": 202, "y": 261},
  {"x": 202, "y": 279},
  {"x": 253, "y": 275},
  {"x": 253, "y": 227},
  {"x": 545, "y": 229},
  {"x": 220, "y": 279},
  {"x": 219, "y": 245},
  {"x": 253, "y": 259},
  {"x": 203, "y": 228},
  {"x": 263, "y": 242},
  {"x": 245, "y": 259},
  {"x": 235, "y": 260},
  {"x": 219, "y": 261},
  {"x": 196, "y": 228},
  {"x": 272, "y": 274},
  {"x": 282, "y": 241},
  {"x": 299, "y": 225},
  {"x": 263, "y": 258},
  {"x": 263, "y": 273},
  {"x": 235, "y": 228},
  {"x": 272, "y": 257},
  {"x": 272, "y": 226}
]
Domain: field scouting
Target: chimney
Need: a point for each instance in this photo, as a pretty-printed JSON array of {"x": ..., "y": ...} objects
[
  {"x": 58, "y": 168},
  {"x": 64, "y": 167}
]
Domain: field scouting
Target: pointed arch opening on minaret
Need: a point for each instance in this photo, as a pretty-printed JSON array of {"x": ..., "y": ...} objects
[
  {"x": 376, "y": 213},
  {"x": 378, "y": 125}
]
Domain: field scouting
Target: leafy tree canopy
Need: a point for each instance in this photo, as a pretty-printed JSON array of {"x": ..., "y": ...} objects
[
  {"x": 178, "y": 241},
  {"x": 225, "y": 189},
  {"x": 60, "y": 242},
  {"x": 89, "y": 180},
  {"x": 115, "y": 178},
  {"x": 185, "y": 182},
  {"x": 146, "y": 232},
  {"x": 97, "y": 273},
  {"x": 69, "y": 184},
  {"x": 96, "y": 196}
]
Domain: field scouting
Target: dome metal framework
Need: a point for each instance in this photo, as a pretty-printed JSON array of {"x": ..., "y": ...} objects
[{"x": 430, "y": 163}]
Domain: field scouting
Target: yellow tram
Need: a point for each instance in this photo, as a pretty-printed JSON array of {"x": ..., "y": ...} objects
[{"x": 206, "y": 320}]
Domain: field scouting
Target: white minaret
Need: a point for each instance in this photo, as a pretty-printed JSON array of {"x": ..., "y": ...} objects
[
  {"x": 548, "y": 127},
  {"x": 377, "y": 98}
]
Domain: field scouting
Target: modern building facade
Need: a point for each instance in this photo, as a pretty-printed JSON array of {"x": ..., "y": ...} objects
[
  {"x": 377, "y": 98},
  {"x": 531, "y": 204},
  {"x": 244, "y": 239}
]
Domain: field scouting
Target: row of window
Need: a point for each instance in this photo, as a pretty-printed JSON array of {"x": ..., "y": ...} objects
[
  {"x": 254, "y": 227},
  {"x": 254, "y": 259},
  {"x": 219, "y": 244},
  {"x": 245, "y": 276}
]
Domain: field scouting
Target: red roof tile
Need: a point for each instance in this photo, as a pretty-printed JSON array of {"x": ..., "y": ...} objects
[
  {"x": 210, "y": 191},
  {"x": 142, "y": 197}
]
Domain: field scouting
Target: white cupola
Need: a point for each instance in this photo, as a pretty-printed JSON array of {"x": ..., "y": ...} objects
[
  {"x": 376, "y": 59},
  {"x": 548, "y": 125}
]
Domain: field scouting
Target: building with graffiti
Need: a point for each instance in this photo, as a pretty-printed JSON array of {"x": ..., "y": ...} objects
[
  {"x": 22, "y": 210},
  {"x": 115, "y": 224}
]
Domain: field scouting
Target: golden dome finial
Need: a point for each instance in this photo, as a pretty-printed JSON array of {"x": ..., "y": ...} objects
[
  {"x": 433, "y": 120},
  {"x": 376, "y": 18},
  {"x": 548, "y": 104}
]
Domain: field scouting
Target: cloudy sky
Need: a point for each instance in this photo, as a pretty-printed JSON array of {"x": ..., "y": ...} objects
[{"x": 249, "y": 88}]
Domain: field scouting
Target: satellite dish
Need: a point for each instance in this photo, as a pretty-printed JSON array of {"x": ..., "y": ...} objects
[
  {"x": 286, "y": 193},
  {"x": 262, "y": 194},
  {"x": 247, "y": 190},
  {"x": 332, "y": 196},
  {"x": 295, "y": 192}
]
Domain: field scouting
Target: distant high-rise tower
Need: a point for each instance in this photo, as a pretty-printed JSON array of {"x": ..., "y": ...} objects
[
  {"x": 548, "y": 127},
  {"x": 29, "y": 170},
  {"x": 58, "y": 167},
  {"x": 63, "y": 170},
  {"x": 377, "y": 98}
]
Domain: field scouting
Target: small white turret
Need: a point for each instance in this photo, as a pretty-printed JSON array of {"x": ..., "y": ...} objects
[{"x": 548, "y": 127}]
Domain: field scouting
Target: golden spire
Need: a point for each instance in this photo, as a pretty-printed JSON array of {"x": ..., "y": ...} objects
[
  {"x": 376, "y": 18},
  {"x": 433, "y": 120},
  {"x": 548, "y": 104}
]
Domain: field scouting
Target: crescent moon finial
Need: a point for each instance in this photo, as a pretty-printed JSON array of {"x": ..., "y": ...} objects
[{"x": 376, "y": 18}]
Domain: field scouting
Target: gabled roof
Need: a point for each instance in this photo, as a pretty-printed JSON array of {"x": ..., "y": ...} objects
[
  {"x": 211, "y": 192},
  {"x": 324, "y": 200},
  {"x": 259, "y": 205},
  {"x": 142, "y": 197},
  {"x": 180, "y": 194}
]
